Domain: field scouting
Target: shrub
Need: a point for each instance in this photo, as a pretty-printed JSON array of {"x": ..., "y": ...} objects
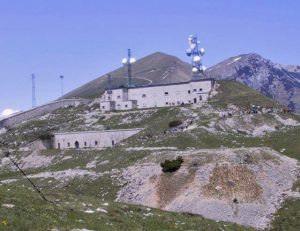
[
  {"x": 174, "y": 123},
  {"x": 171, "y": 165},
  {"x": 45, "y": 136}
]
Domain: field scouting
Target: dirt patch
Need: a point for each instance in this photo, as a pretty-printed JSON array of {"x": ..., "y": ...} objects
[
  {"x": 170, "y": 185},
  {"x": 243, "y": 185},
  {"x": 36, "y": 160},
  {"x": 233, "y": 183}
]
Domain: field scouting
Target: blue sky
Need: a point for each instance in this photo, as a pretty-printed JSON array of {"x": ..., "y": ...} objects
[{"x": 83, "y": 39}]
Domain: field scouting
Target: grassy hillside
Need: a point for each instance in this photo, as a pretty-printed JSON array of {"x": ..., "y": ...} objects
[
  {"x": 68, "y": 177},
  {"x": 233, "y": 92},
  {"x": 152, "y": 69}
]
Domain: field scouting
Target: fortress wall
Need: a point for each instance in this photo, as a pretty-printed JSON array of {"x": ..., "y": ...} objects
[
  {"x": 38, "y": 111},
  {"x": 92, "y": 139}
]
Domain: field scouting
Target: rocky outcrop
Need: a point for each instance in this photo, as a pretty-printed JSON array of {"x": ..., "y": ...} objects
[{"x": 281, "y": 83}]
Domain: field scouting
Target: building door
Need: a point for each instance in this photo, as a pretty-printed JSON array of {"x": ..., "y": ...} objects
[
  {"x": 76, "y": 144},
  {"x": 58, "y": 145},
  {"x": 195, "y": 100}
]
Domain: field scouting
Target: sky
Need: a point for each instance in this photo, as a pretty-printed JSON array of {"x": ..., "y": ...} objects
[{"x": 84, "y": 39}]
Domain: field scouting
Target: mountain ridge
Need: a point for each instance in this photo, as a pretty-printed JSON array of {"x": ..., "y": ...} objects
[{"x": 279, "y": 82}]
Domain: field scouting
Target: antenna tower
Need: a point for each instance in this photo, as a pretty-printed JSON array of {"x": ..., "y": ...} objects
[
  {"x": 62, "y": 90},
  {"x": 109, "y": 84},
  {"x": 128, "y": 62},
  {"x": 196, "y": 53},
  {"x": 33, "y": 90}
]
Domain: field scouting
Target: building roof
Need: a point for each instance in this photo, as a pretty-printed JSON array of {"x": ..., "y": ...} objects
[
  {"x": 101, "y": 131},
  {"x": 164, "y": 84}
]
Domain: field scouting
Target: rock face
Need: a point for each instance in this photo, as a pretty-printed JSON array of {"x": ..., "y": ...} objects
[
  {"x": 282, "y": 83},
  {"x": 244, "y": 185}
]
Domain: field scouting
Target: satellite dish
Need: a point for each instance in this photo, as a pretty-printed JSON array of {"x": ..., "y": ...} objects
[
  {"x": 204, "y": 68},
  {"x": 195, "y": 69},
  {"x": 202, "y": 51},
  {"x": 193, "y": 46},
  {"x": 124, "y": 61},
  {"x": 132, "y": 60},
  {"x": 197, "y": 59},
  {"x": 188, "y": 52}
]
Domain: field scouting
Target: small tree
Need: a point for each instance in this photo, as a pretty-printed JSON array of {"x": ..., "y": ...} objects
[{"x": 171, "y": 165}]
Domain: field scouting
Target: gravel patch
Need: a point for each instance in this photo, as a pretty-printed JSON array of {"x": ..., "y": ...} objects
[
  {"x": 35, "y": 160},
  {"x": 272, "y": 176}
]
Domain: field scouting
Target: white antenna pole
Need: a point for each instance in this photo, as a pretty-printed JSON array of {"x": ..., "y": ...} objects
[
  {"x": 62, "y": 90},
  {"x": 33, "y": 91}
]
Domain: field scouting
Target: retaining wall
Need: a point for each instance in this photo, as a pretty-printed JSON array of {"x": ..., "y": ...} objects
[{"x": 38, "y": 111}]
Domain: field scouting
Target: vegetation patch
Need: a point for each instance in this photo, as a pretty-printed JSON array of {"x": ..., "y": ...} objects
[
  {"x": 175, "y": 123},
  {"x": 172, "y": 165}
]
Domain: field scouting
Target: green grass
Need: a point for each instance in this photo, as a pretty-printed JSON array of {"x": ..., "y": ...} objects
[
  {"x": 233, "y": 92},
  {"x": 32, "y": 213}
]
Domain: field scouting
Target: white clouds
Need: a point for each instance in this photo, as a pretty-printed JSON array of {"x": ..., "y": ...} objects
[{"x": 7, "y": 112}]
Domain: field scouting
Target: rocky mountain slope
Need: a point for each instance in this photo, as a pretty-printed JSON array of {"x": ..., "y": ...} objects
[{"x": 281, "y": 83}]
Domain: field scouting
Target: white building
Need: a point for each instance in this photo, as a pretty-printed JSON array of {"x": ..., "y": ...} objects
[
  {"x": 161, "y": 95},
  {"x": 92, "y": 139}
]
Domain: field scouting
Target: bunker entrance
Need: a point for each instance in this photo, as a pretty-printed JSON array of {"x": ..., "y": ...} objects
[{"x": 76, "y": 144}]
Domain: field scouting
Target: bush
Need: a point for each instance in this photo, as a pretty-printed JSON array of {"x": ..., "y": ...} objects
[
  {"x": 171, "y": 165},
  {"x": 45, "y": 136},
  {"x": 174, "y": 123}
]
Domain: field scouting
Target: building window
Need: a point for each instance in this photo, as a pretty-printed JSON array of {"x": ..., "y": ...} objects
[
  {"x": 195, "y": 90},
  {"x": 166, "y": 93},
  {"x": 125, "y": 105},
  {"x": 85, "y": 144},
  {"x": 200, "y": 97},
  {"x": 112, "y": 142},
  {"x": 96, "y": 143},
  {"x": 58, "y": 145},
  {"x": 167, "y": 103},
  {"x": 200, "y": 89},
  {"x": 118, "y": 97},
  {"x": 189, "y": 91},
  {"x": 68, "y": 145},
  {"x": 144, "y": 96}
]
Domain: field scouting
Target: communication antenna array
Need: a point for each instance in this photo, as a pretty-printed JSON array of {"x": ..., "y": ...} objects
[
  {"x": 128, "y": 61},
  {"x": 196, "y": 54}
]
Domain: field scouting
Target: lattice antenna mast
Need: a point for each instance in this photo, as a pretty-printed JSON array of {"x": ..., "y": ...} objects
[
  {"x": 196, "y": 53},
  {"x": 109, "y": 84},
  {"x": 33, "y": 90},
  {"x": 128, "y": 62}
]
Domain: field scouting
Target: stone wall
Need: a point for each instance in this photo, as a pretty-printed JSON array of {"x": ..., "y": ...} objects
[
  {"x": 38, "y": 111},
  {"x": 92, "y": 139}
]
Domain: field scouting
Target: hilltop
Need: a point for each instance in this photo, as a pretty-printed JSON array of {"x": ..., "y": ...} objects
[
  {"x": 91, "y": 189},
  {"x": 152, "y": 69},
  {"x": 281, "y": 83}
]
